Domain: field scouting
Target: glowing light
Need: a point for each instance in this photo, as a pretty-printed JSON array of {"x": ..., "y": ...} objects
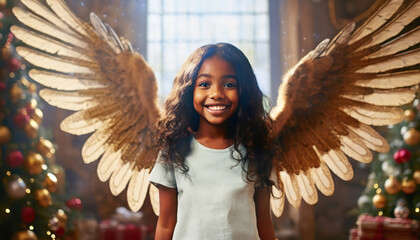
[
  {"x": 31, "y": 227},
  {"x": 8, "y": 173},
  {"x": 417, "y": 210},
  {"x": 378, "y": 190},
  {"x": 7, "y": 210},
  {"x": 44, "y": 167},
  {"x": 11, "y": 75},
  {"x": 375, "y": 185},
  {"x": 380, "y": 213},
  {"x": 48, "y": 233},
  {"x": 53, "y": 236},
  {"x": 28, "y": 191},
  {"x": 31, "y": 180}
]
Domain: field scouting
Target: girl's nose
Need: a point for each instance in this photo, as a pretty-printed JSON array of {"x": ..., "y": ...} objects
[{"x": 217, "y": 92}]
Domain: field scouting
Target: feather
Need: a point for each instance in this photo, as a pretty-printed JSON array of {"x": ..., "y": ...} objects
[
  {"x": 110, "y": 161},
  {"x": 68, "y": 100},
  {"x": 374, "y": 115},
  {"x": 46, "y": 13},
  {"x": 353, "y": 147},
  {"x": 307, "y": 187},
  {"x": 120, "y": 177},
  {"x": 340, "y": 39},
  {"x": 400, "y": 44},
  {"x": 78, "y": 124},
  {"x": 377, "y": 20},
  {"x": 394, "y": 97},
  {"x": 62, "y": 10},
  {"x": 402, "y": 60},
  {"x": 65, "y": 82},
  {"x": 395, "y": 26},
  {"x": 154, "y": 198},
  {"x": 60, "y": 64},
  {"x": 47, "y": 44},
  {"x": 371, "y": 138},
  {"x": 291, "y": 188},
  {"x": 47, "y": 28},
  {"x": 96, "y": 145},
  {"x": 323, "y": 179},
  {"x": 137, "y": 189},
  {"x": 106, "y": 33},
  {"x": 338, "y": 163},
  {"x": 392, "y": 80},
  {"x": 277, "y": 202}
]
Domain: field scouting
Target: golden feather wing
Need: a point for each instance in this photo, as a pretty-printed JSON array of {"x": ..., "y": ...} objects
[
  {"x": 327, "y": 101},
  {"x": 92, "y": 71}
]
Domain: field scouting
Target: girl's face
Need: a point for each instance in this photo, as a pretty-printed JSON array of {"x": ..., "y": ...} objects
[{"x": 216, "y": 96}]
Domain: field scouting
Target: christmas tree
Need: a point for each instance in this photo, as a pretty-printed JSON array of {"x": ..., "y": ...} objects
[
  {"x": 393, "y": 187},
  {"x": 33, "y": 204}
]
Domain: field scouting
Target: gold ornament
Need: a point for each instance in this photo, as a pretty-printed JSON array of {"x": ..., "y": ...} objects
[
  {"x": 412, "y": 137},
  {"x": 51, "y": 182},
  {"x": 43, "y": 197},
  {"x": 6, "y": 52},
  {"x": 16, "y": 93},
  {"x": 24, "y": 235},
  {"x": 392, "y": 186},
  {"x": 5, "y": 135},
  {"x": 33, "y": 104},
  {"x": 410, "y": 115},
  {"x": 33, "y": 163},
  {"x": 45, "y": 147},
  {"x": 379, "y": 200},
  {"x": 31, "y": 128},
  {"x": 408, "y": 186},
  {"x": 62, "y": 217},
  {"x": 38, "y": 116},
  {"x": 416, "y": 176}
]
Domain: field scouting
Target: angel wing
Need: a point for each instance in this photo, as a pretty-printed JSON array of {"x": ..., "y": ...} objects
[
  {"x": 327, "y": 101},
  {"x": 112, "y": 89}
]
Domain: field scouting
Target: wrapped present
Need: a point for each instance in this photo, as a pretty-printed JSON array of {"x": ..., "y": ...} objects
[
  {"x": 125, "y": 225},
  {"x": 385, "y": 228}
]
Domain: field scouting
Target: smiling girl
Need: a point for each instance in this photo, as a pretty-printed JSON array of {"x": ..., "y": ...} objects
[{"x": 214, "y": 167}]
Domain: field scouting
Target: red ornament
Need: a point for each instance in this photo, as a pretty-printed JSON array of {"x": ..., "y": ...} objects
[
  {"x": 21, "y": 119},
  {"x": 75, "y": 203},
  {"x": 27, "y": 214},
  {"x": 402, "y": 156},
  {"x": 3, "y": 86},
  {"x": 13, "y": 65},
  {"x": 59, "y": 232},
  {"x": 14, "y": 159}
]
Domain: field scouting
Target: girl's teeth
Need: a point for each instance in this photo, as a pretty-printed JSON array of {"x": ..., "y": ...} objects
[{"x": 217, "y": 107}]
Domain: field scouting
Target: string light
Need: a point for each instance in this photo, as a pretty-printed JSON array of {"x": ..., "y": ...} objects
[
  {"x": 378, "y": 190},
  {"x": 31, "y": 180},
  {"x": 48, "y": 233},
  {"x": 7, "y": 210},
  {"x": 417, "y": 210},
  {"x": 380, "y": 213},
  {"x": 8, "y": 173},
  {"x": 53, "y": 236},
  {"x": 375, "y": 186},
  {"x": 31, "y": 228},
  {"x": 28, "y": 191},
  {"x": 12, "y": 75}
]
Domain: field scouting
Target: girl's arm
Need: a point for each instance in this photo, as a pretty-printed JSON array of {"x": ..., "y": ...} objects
[
  {"x": 167, "y": 214},
  {"x": 262, "y": 208}
]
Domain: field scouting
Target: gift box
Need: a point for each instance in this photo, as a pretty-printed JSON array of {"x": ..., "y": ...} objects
[
  {"x": 385, "y": 228},
  {"x": 125, "y": 225}
]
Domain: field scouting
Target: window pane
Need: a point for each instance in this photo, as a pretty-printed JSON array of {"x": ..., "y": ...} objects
[{"x": 181, "y": 26}]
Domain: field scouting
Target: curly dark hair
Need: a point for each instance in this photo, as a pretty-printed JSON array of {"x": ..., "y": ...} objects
[{"x": 249, "y": 126}]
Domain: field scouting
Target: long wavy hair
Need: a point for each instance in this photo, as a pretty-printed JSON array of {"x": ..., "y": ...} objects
[{"x": 249, "y": 126}]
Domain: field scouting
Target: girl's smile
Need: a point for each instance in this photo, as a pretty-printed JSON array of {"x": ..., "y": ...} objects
[{"x": 216, "y": 96}]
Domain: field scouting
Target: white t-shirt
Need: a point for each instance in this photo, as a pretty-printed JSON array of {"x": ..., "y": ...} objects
[{"x": 214, "y": 199}]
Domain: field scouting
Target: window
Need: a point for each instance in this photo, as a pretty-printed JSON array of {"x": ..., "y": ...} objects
[{"x": 177, "y": 27}]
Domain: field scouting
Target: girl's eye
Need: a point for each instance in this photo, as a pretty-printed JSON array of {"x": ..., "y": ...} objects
[
  {"x": 204, "y": 84},
  {"x": 230, "y": 85}
]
